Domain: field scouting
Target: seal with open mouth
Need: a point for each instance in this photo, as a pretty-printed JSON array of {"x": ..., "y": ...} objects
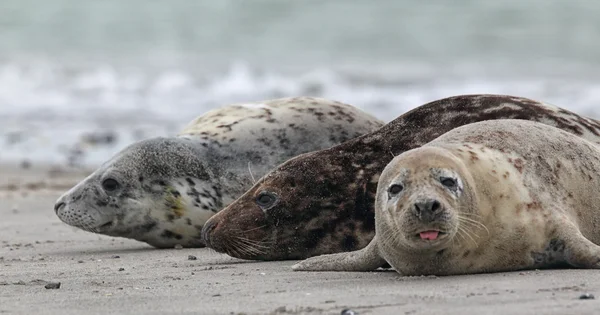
[{"x": 491, "y": 196}]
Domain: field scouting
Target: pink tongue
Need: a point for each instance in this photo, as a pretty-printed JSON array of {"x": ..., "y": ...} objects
[{"x": 429, "y": 235}]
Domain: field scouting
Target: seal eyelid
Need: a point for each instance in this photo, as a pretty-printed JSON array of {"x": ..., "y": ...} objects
[
  {"x": 110, "y": 184},
  {"x": 395, "y": 189},
  {"x": 449, "y": 182},
  {"x": 265, "y": 199}
]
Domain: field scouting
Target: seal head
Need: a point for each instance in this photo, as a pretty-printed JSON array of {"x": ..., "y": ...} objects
[
  {"x": 423, "y": 202},
  {"x": 146, "y": 192},
  {"x": 318, "y": 219},
  {"x": 273, "y": 219}
]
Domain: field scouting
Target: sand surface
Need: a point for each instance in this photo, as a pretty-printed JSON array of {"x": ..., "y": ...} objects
[{"x": 104, "y": 275}]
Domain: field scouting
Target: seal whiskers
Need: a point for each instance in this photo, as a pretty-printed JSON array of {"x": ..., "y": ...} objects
[
  {"x": 256, "y": 249},
  {"x": 250, "y": 171},
  {"x": 464, "y": 231},
  {"x": 473, "y": 223}
]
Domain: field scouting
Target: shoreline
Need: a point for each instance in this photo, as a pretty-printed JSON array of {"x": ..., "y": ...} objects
[{"x": 100, "y": 274}]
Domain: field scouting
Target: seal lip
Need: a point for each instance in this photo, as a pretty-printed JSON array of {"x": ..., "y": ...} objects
[{"x": 105, "y": 226}]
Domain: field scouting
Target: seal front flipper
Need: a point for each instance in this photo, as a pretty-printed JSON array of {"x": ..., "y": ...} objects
[
  {"x": 578, "y": 251},
  {"x": 365, "y": 259}
]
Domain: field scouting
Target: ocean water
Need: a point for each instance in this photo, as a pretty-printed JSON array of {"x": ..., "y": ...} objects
[{"x": 81, "y": 79}]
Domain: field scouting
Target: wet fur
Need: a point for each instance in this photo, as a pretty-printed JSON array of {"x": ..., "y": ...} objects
[{"x": 326, "y": 198}]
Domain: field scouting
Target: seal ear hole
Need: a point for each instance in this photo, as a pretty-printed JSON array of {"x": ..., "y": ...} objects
[
  {"x": 265, "y": 199},
  {"x": 395, "y": 189},
  {"x": 448, "y": 182},
  {"x": 110, "y": 184}
]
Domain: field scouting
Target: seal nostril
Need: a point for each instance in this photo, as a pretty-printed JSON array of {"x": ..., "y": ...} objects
[
  {"x": 206, "y": 230},
  {"x": 435, "y": 206},
  {"x": 58, "y": 205},
  {"x": 416, "y": 208}
]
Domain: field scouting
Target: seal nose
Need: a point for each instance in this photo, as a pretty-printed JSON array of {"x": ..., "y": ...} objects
[
  {"x": 425, "y": 209},
  {"x": 209, "y": 226},
  {"x": 58, "y": 206}
]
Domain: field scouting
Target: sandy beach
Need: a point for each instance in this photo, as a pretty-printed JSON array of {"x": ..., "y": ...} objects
[{"x": 104, "y": 275}]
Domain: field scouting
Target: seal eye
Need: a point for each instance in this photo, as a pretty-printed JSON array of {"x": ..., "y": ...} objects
[
  {"x": 265, "y": 199},
  {"x": 448, "y": 182},
  {"x": 110, "y": 184},
  {"x": 395, "y": 189}
]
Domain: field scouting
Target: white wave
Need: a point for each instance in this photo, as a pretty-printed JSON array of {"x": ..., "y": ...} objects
[{"x": 50, "y": 112}]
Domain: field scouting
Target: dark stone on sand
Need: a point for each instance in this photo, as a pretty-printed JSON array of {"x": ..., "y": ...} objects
[
  {"x": 52, "y": 285},
  {"x": 587, "y": 296}
]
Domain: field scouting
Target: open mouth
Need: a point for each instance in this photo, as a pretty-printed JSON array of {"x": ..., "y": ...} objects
[
  {"x": 106, "y": 225},
  {"x": 430, "y": 235}
]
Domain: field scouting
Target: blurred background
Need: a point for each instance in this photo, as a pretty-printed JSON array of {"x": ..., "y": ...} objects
[{"x": 81, "y": 79}]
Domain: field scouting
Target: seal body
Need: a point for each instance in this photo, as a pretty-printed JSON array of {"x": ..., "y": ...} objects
[
  {"x": 162, "y": 190},
  {"x": 487, "y": 197},
  {"x": 323, "y": 202}
]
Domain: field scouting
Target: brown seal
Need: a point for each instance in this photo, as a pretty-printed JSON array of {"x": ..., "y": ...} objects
[
  {"x": 491, "y": 196},
  {"x": 323, "y": 202}
]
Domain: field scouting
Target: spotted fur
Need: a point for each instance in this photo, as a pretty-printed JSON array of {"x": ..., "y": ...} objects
[
  {"x": 169, "y": 187},
  {"x": 326, "y": 198},
  {"x": 539, "y": 216}
]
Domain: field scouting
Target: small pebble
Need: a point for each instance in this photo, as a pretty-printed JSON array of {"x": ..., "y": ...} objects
[
  {"x": 192, "y": 257},
  {"x": 587, "y": 296},
  {"x": 349, "y": 312},
  {"x": 121, "y": 269},
  {"x": 25, "y": 164},
  {"x": 280, "y": 309},
  {"x": 178, "y": 246},
  {"x": 80, "y": 261},
  {"x": 52, "y": 285},
  {"x": 116, "y": 256}
]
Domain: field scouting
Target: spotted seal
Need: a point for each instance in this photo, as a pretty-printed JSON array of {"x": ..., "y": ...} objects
[
  {"x": 162, "y": 190},
  {"x": 491, "y": 196},
  {"x": 323, "y": 202}
]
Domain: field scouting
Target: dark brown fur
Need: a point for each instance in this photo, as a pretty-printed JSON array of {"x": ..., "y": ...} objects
[{"x": 326, "y": 198}]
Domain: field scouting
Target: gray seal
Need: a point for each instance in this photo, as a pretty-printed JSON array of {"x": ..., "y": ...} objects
[
  {"x": 323, "y": 202},
  {"x": 491, "y": 196},
  {"x": 162, "y": 190}
]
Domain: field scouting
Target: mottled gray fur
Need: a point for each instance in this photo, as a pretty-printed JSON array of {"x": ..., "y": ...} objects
[{"x": 162, "y": 190}]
